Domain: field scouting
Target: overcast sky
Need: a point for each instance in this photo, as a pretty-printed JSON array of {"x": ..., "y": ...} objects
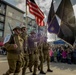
[{"x": 44, "y": 6}]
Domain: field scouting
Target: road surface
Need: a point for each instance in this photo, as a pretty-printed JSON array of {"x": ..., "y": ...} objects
[{"x": 58, "y": 68}]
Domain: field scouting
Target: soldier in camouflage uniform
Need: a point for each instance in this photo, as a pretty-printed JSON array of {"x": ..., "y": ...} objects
[
  {"x": 26, "y": 55},
  {"x": 41, "y": 58},
  {"x": 33, "y": 52},
  {"x": 46, "y": 55},
  {"x": 14, "y": 52}
]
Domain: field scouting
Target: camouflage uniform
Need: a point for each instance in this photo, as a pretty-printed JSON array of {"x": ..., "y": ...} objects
[
  {"x": 46, "y": 55},
  {"x": 33, "y": 54},
  {"x": 36, "y": 59},
  {"x": 14, "y": 56},
  {"x": 41, "y": 58},
  {"x": 26, "y": 55}
]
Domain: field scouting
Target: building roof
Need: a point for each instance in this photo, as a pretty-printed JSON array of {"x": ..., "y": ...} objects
[{"x": 11, "y": 6}]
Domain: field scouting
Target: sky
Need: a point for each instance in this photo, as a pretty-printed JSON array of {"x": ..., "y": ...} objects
[
  {"x": 18, "y": 3},
  {"x": 44, "y": 6}
]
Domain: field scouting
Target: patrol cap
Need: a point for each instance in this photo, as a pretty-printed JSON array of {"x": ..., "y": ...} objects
[
  {"x": 32, "y": 32},
  {"x": 23, "y": 26},
  {"x": 17, "y": 27}
]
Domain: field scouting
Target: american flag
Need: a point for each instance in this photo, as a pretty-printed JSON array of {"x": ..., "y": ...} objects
[{"x": 35, "y": 10}]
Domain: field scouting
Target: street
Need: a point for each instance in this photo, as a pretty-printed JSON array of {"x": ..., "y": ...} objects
[{"x": 58, "y": 68}]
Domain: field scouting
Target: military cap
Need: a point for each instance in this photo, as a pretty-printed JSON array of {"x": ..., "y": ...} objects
[
  {"x": 17, "y": 27},
  {"x": 23, "y": 26}
]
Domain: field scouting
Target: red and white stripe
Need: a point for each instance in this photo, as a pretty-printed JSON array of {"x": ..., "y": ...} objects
[{"x": 35, "y": 10}]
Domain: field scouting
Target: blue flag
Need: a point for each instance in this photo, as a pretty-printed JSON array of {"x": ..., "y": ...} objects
[{"x": 53, "y": 26}]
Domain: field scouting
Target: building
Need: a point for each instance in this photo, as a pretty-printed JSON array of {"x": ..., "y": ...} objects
[
  {"x": 30, "y": 24},
  {"x": 9, "y": 15}
]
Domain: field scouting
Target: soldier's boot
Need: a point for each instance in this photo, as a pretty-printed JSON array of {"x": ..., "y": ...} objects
[
  {"x": 16, "y": 73},
  {"x": 34, "y": 71},
  {"x": 23, "y": 71},
  {"x": 49, "y": 70},
  {"x": 42, "y": 72},
  {"x": 34, "y": 74}
]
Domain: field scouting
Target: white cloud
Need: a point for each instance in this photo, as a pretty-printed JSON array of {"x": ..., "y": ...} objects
[
  {"x": 21, "y": 4},
  {"x": 44, "y": 6},
  {"x": 74, "y": 10}
]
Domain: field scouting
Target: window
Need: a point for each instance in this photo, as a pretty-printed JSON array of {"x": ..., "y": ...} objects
[
  {"x": 18, "y": 23},
  {"x": 2, "y": 8},
  {"x": 1, "y": 18},
  {"x": 9, "y": 24},
  {"x": 10, "y": 14},
  {"x": 1, "y": 26},
  {"x": 1, "y": 33},
  {"x": 17, "y": 17},
  {"x": 9, "y": 20}
]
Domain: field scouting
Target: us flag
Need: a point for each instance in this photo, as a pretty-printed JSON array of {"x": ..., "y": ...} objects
[{"x": 35, "y": 10}]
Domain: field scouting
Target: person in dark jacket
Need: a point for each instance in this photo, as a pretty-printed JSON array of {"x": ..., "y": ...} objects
[{"x": 74, "y": 55}]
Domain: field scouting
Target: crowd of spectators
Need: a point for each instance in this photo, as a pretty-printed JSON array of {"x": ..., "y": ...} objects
[{"x": 63, "y": 54}]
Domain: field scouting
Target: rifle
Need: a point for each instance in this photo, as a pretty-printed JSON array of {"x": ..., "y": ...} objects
[
  {"x": 11, "y": 31},
  {"x": 10, "y": 28}
]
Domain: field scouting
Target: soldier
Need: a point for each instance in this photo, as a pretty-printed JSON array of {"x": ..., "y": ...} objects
[
  {"x": 41, "y": 58},
  {"x": 46, "y": 55},
  {"x": 14, "y": 48},
  {"x": 26, "y": 55},
  {"x": 33, "y": 52}
]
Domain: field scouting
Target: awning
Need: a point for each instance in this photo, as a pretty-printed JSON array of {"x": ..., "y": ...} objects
[{"x": 59, "y": 42}]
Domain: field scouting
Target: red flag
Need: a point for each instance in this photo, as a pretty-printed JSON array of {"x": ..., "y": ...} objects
[{"x": 35, "y": 10}]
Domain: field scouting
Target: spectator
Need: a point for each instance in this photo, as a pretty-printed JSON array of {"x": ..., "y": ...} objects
[
  {"x": 68, "y": 56},
  {"x": 74, "y": 55},
  {"x": 55, "y": 55},
  {"x": 58, "y": 55},
  {"x": 51, "y": 53},
  {"x": 64, "y": 56}
]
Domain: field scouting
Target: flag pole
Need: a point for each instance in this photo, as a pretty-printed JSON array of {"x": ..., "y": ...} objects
[{"x": 26, "y": 20}]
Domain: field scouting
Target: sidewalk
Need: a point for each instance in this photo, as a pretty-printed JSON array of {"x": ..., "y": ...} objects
[
  {"x": 3, "y": 58},
  {"x": 58, "y": 69}
]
